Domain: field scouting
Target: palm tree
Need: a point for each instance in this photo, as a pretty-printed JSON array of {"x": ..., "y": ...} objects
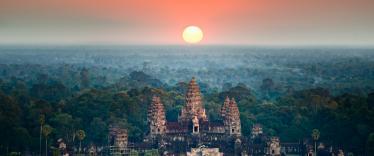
[
  {"x": 315, "y": 135},
  {"x": 46, "y": 131},
  {"x": 81, "y": 135},
  {"x": 41, "y": 122}
]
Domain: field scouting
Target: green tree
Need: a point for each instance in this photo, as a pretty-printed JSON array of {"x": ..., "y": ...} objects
[
  {"x": 64, "y": 126},
  {"x": 315, "y": 136},
  {"x": 41, "y": 122},
  {"x": 84, "y": 78},
  {"x": 47, "y": 130},
  {"x": 98, "y": 131},
  {"x": 370, "y": 144},
  {"x": 9, "y": 119},
  {"x": 81, "y": 134}
]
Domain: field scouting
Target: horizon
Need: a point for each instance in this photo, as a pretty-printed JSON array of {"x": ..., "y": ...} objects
[{"x": 365, "y": 46}]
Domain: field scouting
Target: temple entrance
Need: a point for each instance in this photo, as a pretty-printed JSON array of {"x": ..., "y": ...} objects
[{"x": 195, "y": 129}]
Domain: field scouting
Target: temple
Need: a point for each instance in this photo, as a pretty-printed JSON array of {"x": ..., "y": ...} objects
[
  {"x": 193, "y": 127},
  {"x": 194, "y": 134}
]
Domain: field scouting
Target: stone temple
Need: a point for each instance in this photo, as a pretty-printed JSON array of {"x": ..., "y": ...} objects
[
  {"x": 193, "y": 127},
  {"x": 194, "y": 134}
]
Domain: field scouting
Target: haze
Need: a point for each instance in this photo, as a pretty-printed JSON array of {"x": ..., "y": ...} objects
[{"x": 248, "y": 22}]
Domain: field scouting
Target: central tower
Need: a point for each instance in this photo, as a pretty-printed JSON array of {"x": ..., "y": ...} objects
[{"x": 194, "y": 106}]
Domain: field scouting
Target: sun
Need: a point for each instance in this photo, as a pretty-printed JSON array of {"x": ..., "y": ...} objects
[{"x": 192, "y": 34}]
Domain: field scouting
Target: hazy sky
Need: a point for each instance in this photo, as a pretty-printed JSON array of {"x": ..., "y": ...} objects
[{"x": 272, "y": 22}]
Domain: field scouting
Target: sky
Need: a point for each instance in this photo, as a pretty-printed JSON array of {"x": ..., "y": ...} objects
[{"x": 154, "y": 22}]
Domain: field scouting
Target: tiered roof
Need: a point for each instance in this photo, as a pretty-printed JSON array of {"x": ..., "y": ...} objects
[
  {"x": 225, "y": 107},
  {"x": 156, "y": 110},
  {"x": 156, "y": 116},
  {"x": 233, "y": 114},
  {"x": 194, "y": 105}
]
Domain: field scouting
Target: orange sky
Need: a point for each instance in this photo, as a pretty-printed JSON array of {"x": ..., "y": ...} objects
[{"x": 162, "y": 21}]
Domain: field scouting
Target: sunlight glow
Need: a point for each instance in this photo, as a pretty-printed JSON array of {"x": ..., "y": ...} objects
[{"x": 192, "y": 34}]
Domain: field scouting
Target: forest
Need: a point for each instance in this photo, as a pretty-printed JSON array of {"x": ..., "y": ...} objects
[{"x": 287, "y": 92}]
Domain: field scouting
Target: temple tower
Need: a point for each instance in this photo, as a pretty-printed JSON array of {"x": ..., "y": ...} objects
[
  {"x": 156, "y": 117},
  {"x": 119, "y": 140},
  {"x": 232, "y": 118},
  {"x": 225, "y": 108},
  {"x": 256, "y": 131},
  {"x": 194, "y": 106},
  {"x": 274, "y": 148}
]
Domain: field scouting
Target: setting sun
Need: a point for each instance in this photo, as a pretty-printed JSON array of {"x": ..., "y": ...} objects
[{"x": 192, "y": 34}]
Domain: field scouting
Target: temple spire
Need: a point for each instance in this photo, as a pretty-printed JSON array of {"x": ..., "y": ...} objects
[
  {"x": 156, "y": 117},
  {"x": 225, "y": 107},
  {"x": 232, "y": 119},
  {"x": 194, "y": 105}
]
